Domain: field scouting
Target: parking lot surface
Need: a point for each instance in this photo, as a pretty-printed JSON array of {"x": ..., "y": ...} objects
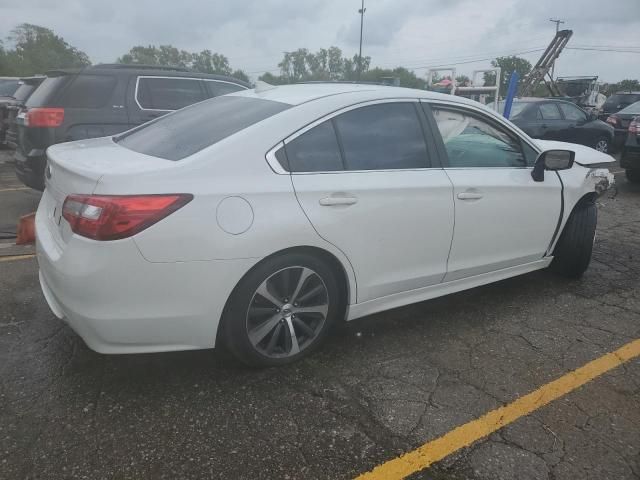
[{"x": 382, "y": 385}]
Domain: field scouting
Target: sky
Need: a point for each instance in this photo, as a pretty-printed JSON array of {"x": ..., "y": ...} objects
[{"x": 417, "y": 34}]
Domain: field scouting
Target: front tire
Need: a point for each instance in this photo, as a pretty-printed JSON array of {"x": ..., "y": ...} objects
[
  {"x": 602, "y": 144},
  {"x": 281, "y": 310},
  {"x": 633, "y": 175},
  {"x": 572, "y": 254}
]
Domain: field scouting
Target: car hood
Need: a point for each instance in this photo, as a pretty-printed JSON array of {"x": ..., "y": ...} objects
[{"x": 584, "y": 155}]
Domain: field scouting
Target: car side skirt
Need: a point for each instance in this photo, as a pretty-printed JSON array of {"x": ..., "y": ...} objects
[{"x": 418, "y": 295}]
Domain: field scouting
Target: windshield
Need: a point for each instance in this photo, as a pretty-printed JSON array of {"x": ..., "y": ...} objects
[
  {"x": 187, "y": 131},
  {"x": 621, "y": 100},
  {"x": 633, "y": 109},
  {"x": 8, "y": 87}
]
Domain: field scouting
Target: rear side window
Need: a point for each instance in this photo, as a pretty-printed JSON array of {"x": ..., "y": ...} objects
[
  {"x": 168, "y": 93},
  {"x": 187, "y": 131},
  {"x": 45, "y": 94},
  {"x": 315, "y": 151},
  {"x": 216, "y": 88},
  {"x": 23, "y": 91},
  {"x": 88, "y": 91},
  {"x": 381, "y": 137}
]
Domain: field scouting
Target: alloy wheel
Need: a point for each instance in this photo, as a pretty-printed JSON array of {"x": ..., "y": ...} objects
[
  {"x": 287, "y": 312},
  {"x": 602, "y": 146}
]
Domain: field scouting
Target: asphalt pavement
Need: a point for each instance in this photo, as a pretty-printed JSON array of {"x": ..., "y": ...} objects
[{"x": 383, "y": 385}]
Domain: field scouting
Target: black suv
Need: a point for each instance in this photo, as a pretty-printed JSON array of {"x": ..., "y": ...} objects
[
  {"x": 10, "y": 105},
  {"x": 103, "y": 100}
]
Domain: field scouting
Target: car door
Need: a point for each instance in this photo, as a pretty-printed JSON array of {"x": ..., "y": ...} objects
[
  {"x": 154, "y": 96},
  {"x": 549, "y": 123},
  {"x": 577, "y": 129},
  {"x": 502, "y": 217},
  {"x": 367, "y": 181}
]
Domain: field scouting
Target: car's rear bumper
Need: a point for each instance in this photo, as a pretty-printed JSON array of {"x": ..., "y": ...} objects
[{"x": 118, "y": 302}]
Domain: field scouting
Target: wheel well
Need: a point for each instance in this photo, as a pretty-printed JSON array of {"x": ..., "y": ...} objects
[
  {"x": 586, "y": 199},
  {"x": 328, "y": 257}
]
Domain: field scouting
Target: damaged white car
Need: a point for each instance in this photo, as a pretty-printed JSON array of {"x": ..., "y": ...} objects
[{"x": 261, "y": 218}]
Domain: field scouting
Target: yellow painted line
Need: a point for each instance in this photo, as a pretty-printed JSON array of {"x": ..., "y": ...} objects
[
  {"x": 465, "y": 435},
  {"x": 14, "y": 189},
  {"x": 11, "y": 258}
]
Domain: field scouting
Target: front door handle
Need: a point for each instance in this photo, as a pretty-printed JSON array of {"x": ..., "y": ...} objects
[
  {"x": 469, "y": 196},
  {"x": 331, "y": 201}
]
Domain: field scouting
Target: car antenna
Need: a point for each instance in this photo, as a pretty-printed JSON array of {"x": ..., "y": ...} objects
[{"x": 263, "y": 86}]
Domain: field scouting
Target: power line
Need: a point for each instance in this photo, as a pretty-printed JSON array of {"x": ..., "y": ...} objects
[{"x": 603, "y": 50}]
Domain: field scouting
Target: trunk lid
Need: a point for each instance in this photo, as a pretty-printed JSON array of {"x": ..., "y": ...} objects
[{"x": 77, "y": 167}]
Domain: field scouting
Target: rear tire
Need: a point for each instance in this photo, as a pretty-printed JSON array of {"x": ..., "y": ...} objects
[
  {"x": 633, "y": 175},
  {"x": 300, "y": 297},
  {"x": 572, "y": 254}
]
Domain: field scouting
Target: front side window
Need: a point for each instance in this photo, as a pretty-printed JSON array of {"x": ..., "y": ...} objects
[
  {"x": 316, "y": 150},
  {"x": 382, "y": 137},
  {"x": 168, "y": 93},
  {"x": 473, "y": 142},
  {"x": 571, "y": 112},
  {"x": 549, "y": 111}
]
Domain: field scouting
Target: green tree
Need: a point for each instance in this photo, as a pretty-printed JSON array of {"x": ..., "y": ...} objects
[
  {"x": 406, "y": 78},
  {"x": 36, "y": 50},
  {"x": 507, "y": 66}
]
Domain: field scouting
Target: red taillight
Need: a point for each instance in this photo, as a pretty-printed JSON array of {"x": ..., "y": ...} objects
[
  {"x": 634, "y": 126},
  {"x": 111, "y": 217},
  {"x": 44, "y": 117},
  {"x": 612, "y": 120}
]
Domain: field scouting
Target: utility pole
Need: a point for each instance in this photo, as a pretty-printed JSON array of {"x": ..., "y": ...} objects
[
  {"x": 557, "y": 21},
  {"x": 361, "y": 12}
]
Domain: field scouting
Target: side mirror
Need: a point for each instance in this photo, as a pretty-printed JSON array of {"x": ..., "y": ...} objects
[{"x": 553, "y": 160}]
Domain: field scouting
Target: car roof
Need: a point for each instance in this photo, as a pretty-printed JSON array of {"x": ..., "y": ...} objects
[
  {"x": 152, "y": 70},
  {"x": 296, "y": 94}
]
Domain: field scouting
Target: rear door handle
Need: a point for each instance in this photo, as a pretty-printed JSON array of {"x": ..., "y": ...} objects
[
  {"x": 469, "y": 196},
  {"x": 331, "y": 201}
]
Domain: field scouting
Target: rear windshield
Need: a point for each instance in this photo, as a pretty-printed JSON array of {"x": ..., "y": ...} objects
[
  {"x": 633, "y": 109},
  {"x": 46, "y": 92},
  {"x": 621, "y": 100},
  {"x": 8, "y": 87},
  {"x": 23, "y": 91},
  {"x": 187, "y": 131}
]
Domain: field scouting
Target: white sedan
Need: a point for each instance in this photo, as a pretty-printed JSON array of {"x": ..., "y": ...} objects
[{"x": 261, "y": 218}]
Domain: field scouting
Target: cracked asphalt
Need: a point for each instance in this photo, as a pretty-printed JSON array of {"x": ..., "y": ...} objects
[{"x": 381, "y": 386}]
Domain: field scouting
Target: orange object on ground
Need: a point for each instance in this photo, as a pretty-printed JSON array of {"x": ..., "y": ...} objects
[{"x": 26, "y": 229}]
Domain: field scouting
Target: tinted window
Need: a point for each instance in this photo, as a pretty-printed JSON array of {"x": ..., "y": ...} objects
[
  {"x": 474, "y": 142},
  {"x": 88, "y": 91},
  {"x": 620, "y": 100},
  {"x": 633, "y": 109},
  {"x": 23, "y": 91},
  {"x": 187, "y": 131},
  {"x": 315, "y": 151},
  {"x": 47, "y": 91},
  {"x": 168, "y": 93},
  {"x": 571, "y": 112},
  {"x": 221, "y": 88},
  {"x": 549, "y": 111},
  {"x": 8, "y": 87},
  {"x": 385, "y": 136},
  {"x": 518, "y": 110}
]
